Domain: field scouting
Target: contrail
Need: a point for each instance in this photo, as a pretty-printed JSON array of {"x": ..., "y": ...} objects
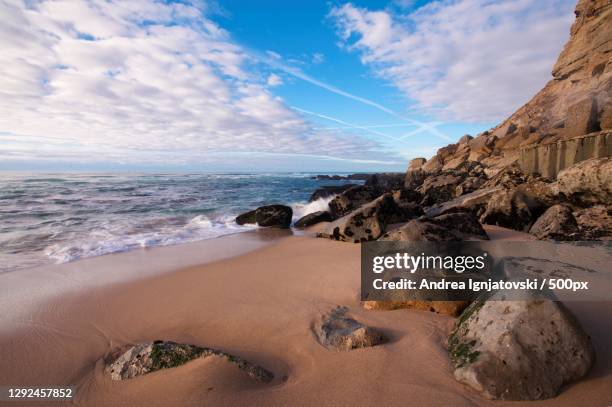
[
  {"x": 347, "y": 124},
  {"x": 275, "y": 63}
]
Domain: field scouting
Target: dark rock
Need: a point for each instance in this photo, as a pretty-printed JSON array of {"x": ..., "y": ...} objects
[
  {"x": 386, "y": 181},
  {"x": 313, "y": 219},
  {"x": 339, "y": 332},
  {"x": 274, "y": 216},
  {"x": 414, "y": 179},
  {"x": 329, "y": 190},
  {"x": 408, "y": 203},
  {"x": 557, "y": 223},
  {"x": 366, "y": 223},
  {"x": 439, "y": 188},
  {"x": 249, "y": 217},
  {"x": 519, "y": 350},
  {"x": 352, "y": 198},
  {"x": 149, "y": 357},
  {"x": 268, "y": 216}
]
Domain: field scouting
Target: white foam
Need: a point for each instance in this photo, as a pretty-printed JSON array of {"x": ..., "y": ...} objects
[
  {"x": 303, "y": 209},
  {"x": 107, "y": 241}
]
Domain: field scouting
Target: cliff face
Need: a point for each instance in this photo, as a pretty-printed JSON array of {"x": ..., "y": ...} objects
[{"x": 576, "y": 102}]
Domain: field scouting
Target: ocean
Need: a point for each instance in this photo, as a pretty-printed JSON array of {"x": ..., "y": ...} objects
[{"x": 57, "y": 218}]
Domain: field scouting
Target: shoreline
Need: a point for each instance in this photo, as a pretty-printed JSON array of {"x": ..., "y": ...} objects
[{"x": 259, "y": 304}]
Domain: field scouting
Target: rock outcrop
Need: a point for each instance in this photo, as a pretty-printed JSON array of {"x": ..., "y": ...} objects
[
  {"x": 339, "y": 332},
  {"x": 313, "y": 219},
  {"x": 588, "y": 182},
  {"x": 278, "y": 216},
  {"x": 577, "y": 101},
  {"x": 329, "y": 190},
  {"x": 519, "y": 350},
  {"x": 450, "y": 227},
  {"x": 149, "y": 357},
  {"x": 368, "y": 222},
  {"x": 353, "y": 198}
]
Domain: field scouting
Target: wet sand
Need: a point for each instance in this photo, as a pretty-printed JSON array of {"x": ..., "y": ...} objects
[{"x": 259, "y": 304}]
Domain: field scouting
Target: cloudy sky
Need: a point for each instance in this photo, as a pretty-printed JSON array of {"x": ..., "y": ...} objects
[{"x": 262, "y": 86}]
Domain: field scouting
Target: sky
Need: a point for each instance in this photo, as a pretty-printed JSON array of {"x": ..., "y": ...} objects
[{"x": 257, "y": 86}]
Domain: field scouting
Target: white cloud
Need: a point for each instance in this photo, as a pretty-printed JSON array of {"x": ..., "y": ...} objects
[
  {"x": 318, "y": 58},
  {"x": 140, "y": 80},
  {"x": 274, "y": 80},
  {"x": 473, "y": 60}
]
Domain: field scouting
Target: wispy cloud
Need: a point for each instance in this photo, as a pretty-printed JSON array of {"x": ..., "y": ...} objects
[
  {"x": 472, "y": 60},
  {"x": 142, "y": 80}
]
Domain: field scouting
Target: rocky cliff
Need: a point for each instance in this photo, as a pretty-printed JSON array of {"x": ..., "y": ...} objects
[{"x": 577, "y": 101}]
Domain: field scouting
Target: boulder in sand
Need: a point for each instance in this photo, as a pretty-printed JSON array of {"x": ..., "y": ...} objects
[
  {"x": 313, "y": 219},
  {"x": 557, "y": 223},
  {"x": 278, "y": 216},
  {"x": 339, "y": 332},
  {"x": 149, "y": 357},
  {"x": 519, "y": 350},
  {"x": 366, "y": 223}
]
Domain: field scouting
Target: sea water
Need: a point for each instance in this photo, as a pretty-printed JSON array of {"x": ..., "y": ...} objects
[{"x": 56, "y": 218}]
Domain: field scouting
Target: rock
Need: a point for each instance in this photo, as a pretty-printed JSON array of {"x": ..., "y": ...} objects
[
  {"x": 470, "y": 184},
  {"x": 249, "y": 217},
  {"x": 416, "y": 164},
  {"x": 278, "y": 216},
  {"x": 581, "y": 118},
  {"x": 366, "y": 223},
  {"x": 519, "y": 350},
  {"x": 439, "y": 188},
  {"x": 386, "y": 181},
  {"x": 339, "y": 332},
  {"x": 474, "y": 202},
  {"x": 557, "y": 223},
  {"x": 575, "y": 102},
  {"x": 149, "y": 357},
  {"x": 313, "y": 219},
  {"x": 414, "y": 179},
  {"x": 433, "y": 165},
  {"x": 450, "y": 227},
  {"x": 510, "y": 209},
  {"x": 595, "y": 222},
  {"x": 588, "y": 182},
  {"x": 352, "y": 199},
  {"x": 407, "y": 202},
  {"x": 419, "y": 230},
  {"x": 329, "y": 190},
  {"x": 452, "y": 308}
]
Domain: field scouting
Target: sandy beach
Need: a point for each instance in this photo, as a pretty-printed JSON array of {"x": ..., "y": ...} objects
[{"x": 259, "y": 303}]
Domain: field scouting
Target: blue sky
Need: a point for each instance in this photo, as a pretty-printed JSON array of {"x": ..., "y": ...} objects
[{"x": 141, "y": 85}]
